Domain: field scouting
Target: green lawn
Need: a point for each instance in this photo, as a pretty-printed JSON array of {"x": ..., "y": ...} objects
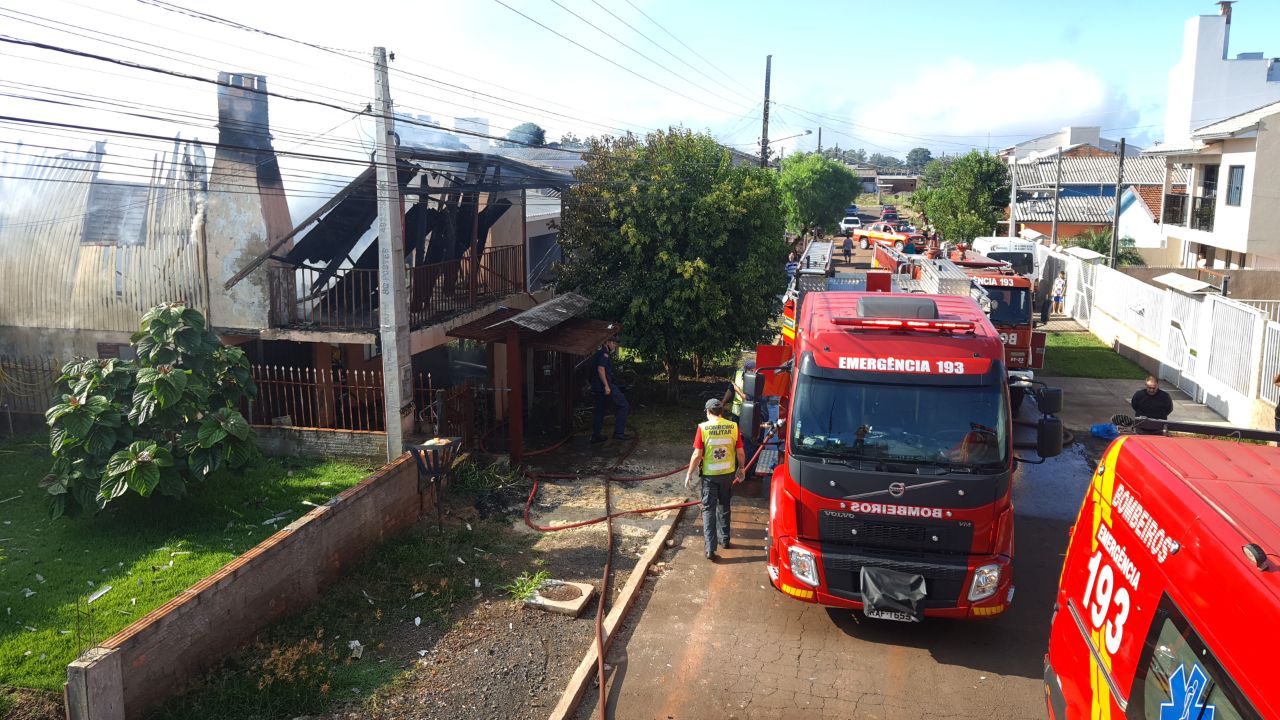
[
  {"x": 1081, "y": 354},
  {"x": 147, "y": 551}
]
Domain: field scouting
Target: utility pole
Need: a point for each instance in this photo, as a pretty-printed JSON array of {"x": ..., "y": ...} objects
[
  {"x": 1115, "y": 222},
  {"x": 1057, "y": 192},
  {"x": 1013, "y": 195},
  {"x": 819, "y": 140},
  {"x": 764, "y": 132},
  {"x": 393, "y": 320}
]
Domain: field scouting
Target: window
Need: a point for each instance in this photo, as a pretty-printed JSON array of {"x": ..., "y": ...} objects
[
  {"x": 1209, "y": 181},
  {"x": 1235, "y": 184},
  {"x": 1179, "y": 677}
]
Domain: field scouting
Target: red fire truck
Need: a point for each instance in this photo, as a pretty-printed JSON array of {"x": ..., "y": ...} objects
[
  {"x": 1012, "y": 307},
  {"x": 1170, "y": 591},
  {"x": 892, "y": 489}
]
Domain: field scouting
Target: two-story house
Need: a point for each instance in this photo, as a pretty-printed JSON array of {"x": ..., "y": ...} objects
[{"x": 1230, "y": 218}]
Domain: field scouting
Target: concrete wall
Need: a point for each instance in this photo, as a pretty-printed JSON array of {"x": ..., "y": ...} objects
[
  {"x": 1205, "y": 86},
  {"x": 142, "y": 665},
  {"x": 1246, "y": 284},
  {"x": 321, "y": 442},
  {"x": 1264, "y": 194}
]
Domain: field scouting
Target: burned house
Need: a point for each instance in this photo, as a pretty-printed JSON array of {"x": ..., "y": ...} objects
[{"x": 83, "y": 256}]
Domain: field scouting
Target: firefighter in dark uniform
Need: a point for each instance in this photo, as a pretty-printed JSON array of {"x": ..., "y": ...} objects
[{"x": 718, "y": 454}]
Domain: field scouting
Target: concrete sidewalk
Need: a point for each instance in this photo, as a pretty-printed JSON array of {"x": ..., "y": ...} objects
[{"x": 1086, "y": 401}]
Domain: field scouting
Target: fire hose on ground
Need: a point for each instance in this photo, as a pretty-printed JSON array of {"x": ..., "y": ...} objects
[{"x": 607, "y": 518}]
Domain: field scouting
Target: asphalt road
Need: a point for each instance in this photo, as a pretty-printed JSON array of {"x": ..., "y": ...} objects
[{"x": 714, "y": 640}]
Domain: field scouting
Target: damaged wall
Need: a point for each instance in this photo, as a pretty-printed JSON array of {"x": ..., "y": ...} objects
[
  {"x": 240, "y": 224},
  {"x": 85, "y": 252}
]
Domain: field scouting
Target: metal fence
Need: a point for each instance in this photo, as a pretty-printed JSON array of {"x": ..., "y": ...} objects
[
  {"x": 442, "y": 290},
  {"x": 317, "y": 398},
  {"x": 27, "y": 384},
  {"x": 1218, "y": 350},
  {"x": 1231, "y": 341},
  {"x": 1270, "y": 307}
]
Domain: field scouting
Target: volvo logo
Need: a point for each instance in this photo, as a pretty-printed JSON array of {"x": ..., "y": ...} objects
[{"x": 897, "y": 489}]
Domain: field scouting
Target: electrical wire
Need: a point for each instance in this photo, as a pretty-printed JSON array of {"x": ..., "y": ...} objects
[
  {"x": 607, "y": 59},
  {"x": 683, "y": 44}
]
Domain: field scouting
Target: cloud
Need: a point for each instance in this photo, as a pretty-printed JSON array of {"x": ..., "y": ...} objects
[{"x": 953, "y": 105}]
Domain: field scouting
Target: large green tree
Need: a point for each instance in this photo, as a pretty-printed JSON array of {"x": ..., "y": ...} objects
[
  {"x": 668, "y": 237},
  {"x": 966, "y": 195},
  {"x": 524, "y": 135},
  {"x": 918, "y": 158},
  {"x": 1099, "y": 241},
  {"x": 816, "y": 191}
]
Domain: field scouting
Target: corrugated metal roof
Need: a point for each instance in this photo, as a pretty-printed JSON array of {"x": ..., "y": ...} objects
[
  {"x": 1239, "y": 123},
  {"x": 1071, "y": 209},
  {"x": 1141, "y": 170}
]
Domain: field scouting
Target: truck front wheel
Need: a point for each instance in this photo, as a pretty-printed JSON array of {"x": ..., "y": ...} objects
[{"x": 863, "y": 244}]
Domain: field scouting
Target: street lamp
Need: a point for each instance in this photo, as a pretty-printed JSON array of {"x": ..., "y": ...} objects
[{"x": 770, "y": 142}]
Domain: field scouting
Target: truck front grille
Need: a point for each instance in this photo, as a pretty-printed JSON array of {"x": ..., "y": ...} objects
[{"x": 927, "y": 536}]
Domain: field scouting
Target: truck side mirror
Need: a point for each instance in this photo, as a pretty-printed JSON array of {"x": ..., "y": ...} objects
[
  {"x": 1049, "y": 399},
  {"x": 747, "y": 420},
  {"x": 1049, "y": 437},
  {"x": 752, "y": 385}
]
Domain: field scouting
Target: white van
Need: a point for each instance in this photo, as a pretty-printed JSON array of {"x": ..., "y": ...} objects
[{"x": 1021, "y": 254}]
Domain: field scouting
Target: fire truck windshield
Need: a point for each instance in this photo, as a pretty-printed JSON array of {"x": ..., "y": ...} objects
[
  {"x": 1010, "y": 306},
  {"x": 944, "y": 425},
  {"x": 1023, "y": 262}
]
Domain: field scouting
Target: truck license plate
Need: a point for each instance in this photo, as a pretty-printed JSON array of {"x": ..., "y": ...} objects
[{"x": 889, "y": 615}]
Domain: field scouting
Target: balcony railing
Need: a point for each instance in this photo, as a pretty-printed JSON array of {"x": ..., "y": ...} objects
[
  {"x": 441, "y": 290},
  {"x": 1202, "y": 213},
  {"x": 1175, "y": 209},
  {"x": 311, "y": 298}
]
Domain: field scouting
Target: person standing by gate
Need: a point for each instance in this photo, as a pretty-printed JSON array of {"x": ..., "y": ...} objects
[
  {"x": 719, "y": 456},
  {"x": 1059, "y": 292},
  {"x": 607, "y": 394}
]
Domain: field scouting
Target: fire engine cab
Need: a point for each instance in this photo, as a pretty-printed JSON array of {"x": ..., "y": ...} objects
[
  {"x": 891, "y": 493},
  {"x": 1169, "y": 600}
]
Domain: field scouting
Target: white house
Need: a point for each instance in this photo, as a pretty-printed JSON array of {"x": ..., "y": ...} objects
[
  {"x": 1230, "y": 217},
  {"x": 1206, "y": 86}
]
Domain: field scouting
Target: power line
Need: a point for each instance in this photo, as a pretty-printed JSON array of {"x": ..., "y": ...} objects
[
  {"x": 686, "y": 47},
  {"x": 600, "y": 30},
  {"x": 269, "y": 93},
  {"x": 662, "y": 47},
  {"x": 607, "y": 59}
]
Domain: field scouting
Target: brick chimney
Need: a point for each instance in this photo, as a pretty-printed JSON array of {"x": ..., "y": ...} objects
[{"x": 242, "y": 110}]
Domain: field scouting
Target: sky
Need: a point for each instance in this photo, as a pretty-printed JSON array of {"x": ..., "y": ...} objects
[{"x": 883, "y": 76}]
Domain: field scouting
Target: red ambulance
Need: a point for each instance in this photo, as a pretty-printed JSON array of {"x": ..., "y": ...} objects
[{"x": 1169, "y": 600}]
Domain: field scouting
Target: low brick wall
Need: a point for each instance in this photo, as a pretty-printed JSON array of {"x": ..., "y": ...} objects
[
  {"x": 142, "y": 665},
  {"x": 320, "y": 442}
]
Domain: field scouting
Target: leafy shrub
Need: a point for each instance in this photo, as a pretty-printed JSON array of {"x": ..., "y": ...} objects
[{"x": 157, "y": 424}]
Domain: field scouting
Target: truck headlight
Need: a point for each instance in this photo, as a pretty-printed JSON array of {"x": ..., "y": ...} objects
[
  {"x": 985, "y": 581},
  {"x": 803, "y": 565}
]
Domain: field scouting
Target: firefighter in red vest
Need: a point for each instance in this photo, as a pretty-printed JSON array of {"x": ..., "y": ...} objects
[{"x": 721, "y": 460}]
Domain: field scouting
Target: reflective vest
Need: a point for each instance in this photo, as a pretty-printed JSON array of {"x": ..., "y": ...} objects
[
  {"x": 719, "y": 446},
  {"x": 738, "y": 393}
]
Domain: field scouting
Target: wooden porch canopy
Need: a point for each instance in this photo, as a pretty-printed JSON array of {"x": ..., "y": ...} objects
[{"x": 552, "y": 325}]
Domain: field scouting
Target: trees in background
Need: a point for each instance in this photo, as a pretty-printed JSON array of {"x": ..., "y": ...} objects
[
  {"x": 1099, "y": 241},
  {"x": 815, "y": 191},
  {"x": 525, "y": 134},
  {"x": 964, "y": 196},
  {"x": 918, "y": 158},
  {"x": 671, "y": 239}
]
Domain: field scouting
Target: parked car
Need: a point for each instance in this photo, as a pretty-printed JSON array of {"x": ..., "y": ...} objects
[
  {"x": 849, "y": 223},
  {"x": 889, "y": 216},
  {"x": 851, "y": 210}
]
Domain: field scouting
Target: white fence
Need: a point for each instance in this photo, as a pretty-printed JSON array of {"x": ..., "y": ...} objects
[{"x": 1222, "y": 352}]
